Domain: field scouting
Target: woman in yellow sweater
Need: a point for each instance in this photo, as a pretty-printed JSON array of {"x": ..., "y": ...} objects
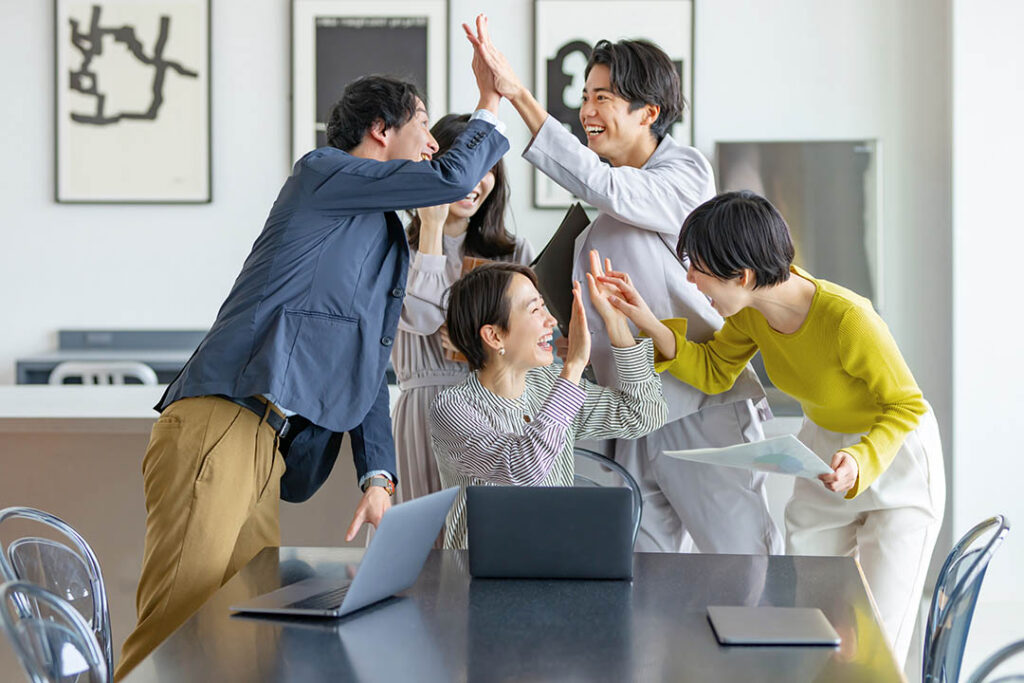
[{"x": 826, "y": 347}]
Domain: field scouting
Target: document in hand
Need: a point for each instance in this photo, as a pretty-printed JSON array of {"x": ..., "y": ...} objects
[
  {"x": 554, "y": 265},
  {"x": 782, "y": 455}
]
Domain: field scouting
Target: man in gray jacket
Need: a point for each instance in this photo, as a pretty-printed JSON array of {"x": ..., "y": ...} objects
[{"x": 644, "y": 193}]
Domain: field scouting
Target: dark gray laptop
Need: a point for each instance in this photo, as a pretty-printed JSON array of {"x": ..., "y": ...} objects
[
  {"x": 391, "y": 564},
  {"x": 540, "y": 532},
  {"x": 764, "y": 625}
]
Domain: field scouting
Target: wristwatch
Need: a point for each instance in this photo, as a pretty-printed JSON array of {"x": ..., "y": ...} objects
[{"x": 383, "y": 482}]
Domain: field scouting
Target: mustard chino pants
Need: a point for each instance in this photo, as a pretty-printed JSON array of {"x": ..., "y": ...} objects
[{"x": 212, "y": 478}]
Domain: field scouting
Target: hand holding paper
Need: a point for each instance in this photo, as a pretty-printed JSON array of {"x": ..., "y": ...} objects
[{"x": 781, "y": 455}]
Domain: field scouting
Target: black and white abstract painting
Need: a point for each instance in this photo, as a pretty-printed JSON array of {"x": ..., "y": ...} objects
[
  {"x": 132, "y": 101},
  {"x": 565, "y": 33},
  {"x": 337, "y": 41}
]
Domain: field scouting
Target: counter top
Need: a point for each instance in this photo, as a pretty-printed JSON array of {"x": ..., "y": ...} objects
[{"x": 76, "y": 408}]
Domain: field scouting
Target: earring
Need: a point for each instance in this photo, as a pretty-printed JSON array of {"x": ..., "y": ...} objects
[{"x": 501, "y": 351}]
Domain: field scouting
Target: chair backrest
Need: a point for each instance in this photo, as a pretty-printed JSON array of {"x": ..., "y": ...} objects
[
  {"x": 72, "y": 573},
  {"x": 996, "y": 660},
  {"x": 627, "y": 478},
  {"x": 49, "y": 637},
  {"x": 956, "y": 593},
  {"x": 103, "y": 372}
]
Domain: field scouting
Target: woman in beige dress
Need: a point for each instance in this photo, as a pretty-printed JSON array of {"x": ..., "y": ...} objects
[{"x": 439, "y": 238}]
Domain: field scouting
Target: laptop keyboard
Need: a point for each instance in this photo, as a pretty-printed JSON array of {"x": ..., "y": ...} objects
[{"x": 331, "y": 599}]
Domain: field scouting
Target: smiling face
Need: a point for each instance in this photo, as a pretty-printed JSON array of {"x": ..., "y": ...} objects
[
  {"x": 466, "y": 208},
  {"x": 412, "y": 140},
  {"x": 613, "y": 131},
  {"x": 728, "y": 297},
  {"x": 527, "y": 341}
]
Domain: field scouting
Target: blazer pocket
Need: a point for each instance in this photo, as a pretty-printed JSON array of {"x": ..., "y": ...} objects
[{"x": 298, "y": 315}]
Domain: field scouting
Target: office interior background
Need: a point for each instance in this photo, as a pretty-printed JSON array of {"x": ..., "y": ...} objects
[{"x": 939, "y": 83}]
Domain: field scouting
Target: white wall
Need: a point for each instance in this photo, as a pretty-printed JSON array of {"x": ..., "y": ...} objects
[
  {"x": 804, "y": 70},
  {"x": 64, "y": 265},
  {"x": 988, "y": 234}
]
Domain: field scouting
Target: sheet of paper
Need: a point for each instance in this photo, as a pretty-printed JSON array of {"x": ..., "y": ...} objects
[{"x": 781, "y": 455}]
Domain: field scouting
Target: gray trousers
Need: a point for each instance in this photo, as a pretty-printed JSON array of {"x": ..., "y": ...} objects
[{"x": 719, "y": 509}]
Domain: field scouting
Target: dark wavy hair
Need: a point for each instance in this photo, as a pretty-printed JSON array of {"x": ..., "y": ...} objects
[
  {"x": 487, "y": 236},
  {"x": 478, "y": 298},
  {"x": 365, "y": 101},
  {"x": 734, "y": 231},
  {"x": 642, "y": 73}
]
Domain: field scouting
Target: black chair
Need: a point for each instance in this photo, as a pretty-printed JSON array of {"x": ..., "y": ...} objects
[
  {"x": 956, "y": 593},
  {"x": 996, "y": 660},
  {"x": 627, "y": 478}
]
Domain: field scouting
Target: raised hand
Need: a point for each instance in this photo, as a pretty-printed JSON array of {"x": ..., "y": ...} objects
[
  {"x": 624, "y": 297},
  {"x": 578, "y": 354},
  {"x": 432, "y": 220},
  {"x": 615, "y": 321},
  {"x": 627, "y": 299},
  {"x": 503, "y": 78}
]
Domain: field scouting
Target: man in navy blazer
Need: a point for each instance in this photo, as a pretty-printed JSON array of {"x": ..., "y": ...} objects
[{"x": 305, "y": 331}]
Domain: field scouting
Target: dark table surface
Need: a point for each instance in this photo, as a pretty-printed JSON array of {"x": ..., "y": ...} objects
[{"x": 449, "y": 627}]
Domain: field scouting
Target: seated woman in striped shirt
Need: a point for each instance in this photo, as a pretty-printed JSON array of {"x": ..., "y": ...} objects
[{"x": 515, "y": 419}]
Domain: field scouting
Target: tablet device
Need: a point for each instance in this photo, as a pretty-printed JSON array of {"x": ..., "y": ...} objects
[{"x": 764, "y": 625}]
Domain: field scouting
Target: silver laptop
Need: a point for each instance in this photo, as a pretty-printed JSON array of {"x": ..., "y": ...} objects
[
  {"x": 391, "y": 564},
  {"x": 764, "y": 625}
]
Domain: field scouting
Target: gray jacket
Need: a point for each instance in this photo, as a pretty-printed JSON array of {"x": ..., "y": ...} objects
[{"x": 641, "y": 211}]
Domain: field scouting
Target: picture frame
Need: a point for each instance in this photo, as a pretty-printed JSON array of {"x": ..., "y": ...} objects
[
  {"x": 336, "y": 41},
  {"x": 565, "y": 32},
  {"x": 132, "y": 101}
]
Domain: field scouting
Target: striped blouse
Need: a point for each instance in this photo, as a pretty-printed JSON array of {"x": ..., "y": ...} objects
[{"x": 482, "y": 438}]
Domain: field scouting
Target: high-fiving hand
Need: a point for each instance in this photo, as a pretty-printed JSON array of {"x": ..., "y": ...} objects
[
  {"x": 578, "y": 353},
  {"x": 503, "y": 77}
]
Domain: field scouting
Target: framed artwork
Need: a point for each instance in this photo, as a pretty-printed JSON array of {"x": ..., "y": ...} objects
[
  {"x": 336, "y": 41},
  {"x": 565, "y": 31},
  {"x": 132, "y": 101}
]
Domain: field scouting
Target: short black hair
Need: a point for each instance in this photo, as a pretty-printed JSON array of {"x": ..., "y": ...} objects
[
  {"x": 734, "y": 231},
  {"x": 642, "y": 73},
  {"x": 366, "y": 100},
  {"x": 478, "y": 298},
  {"x": 486, "y": 236}
]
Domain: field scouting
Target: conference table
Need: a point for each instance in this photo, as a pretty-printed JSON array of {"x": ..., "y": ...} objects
[{"x": 451, "y": 627}]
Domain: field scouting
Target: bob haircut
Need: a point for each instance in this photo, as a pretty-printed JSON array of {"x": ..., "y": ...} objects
[
  {"x": 734, "y": 231},
  {"x": 642, "y": 73},
  {"x": 486, "y": 236},
  {"x": 365, "y": 101},
  {"x": 478, "y": 298}
]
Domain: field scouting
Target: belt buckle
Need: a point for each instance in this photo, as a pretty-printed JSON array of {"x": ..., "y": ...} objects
[{"x": 285, "y": 428}]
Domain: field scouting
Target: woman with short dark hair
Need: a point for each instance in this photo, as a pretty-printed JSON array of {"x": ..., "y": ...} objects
[
  {"x": 826, "y": 346},
  {"x": 439, "y": 237},
  {"x": 515, "y": 419}
]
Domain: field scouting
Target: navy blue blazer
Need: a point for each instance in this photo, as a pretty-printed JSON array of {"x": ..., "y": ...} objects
[{"x": 312, "y": 316}]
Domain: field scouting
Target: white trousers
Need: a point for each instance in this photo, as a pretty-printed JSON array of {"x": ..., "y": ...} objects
[
  {"x": 720, "y": 509},
  {"x": 890, "y": 527}
]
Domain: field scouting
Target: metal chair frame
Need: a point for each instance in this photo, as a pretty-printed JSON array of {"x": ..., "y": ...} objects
[
  {"x": 20, "y": 594},
  {"x": 103, "y": 372},
  {"x": 605, "y": 461},
  {"x": 996, "y": 659},
  {"x": 100, "y": 622},
  {"x": 965, "y": 566}
]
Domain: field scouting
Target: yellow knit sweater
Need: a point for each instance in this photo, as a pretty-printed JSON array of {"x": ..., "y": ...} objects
[{"x": 842, "y": 365}]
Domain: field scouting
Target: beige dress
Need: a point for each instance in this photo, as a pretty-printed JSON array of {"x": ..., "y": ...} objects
[{"x": 420, "y": 363}]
